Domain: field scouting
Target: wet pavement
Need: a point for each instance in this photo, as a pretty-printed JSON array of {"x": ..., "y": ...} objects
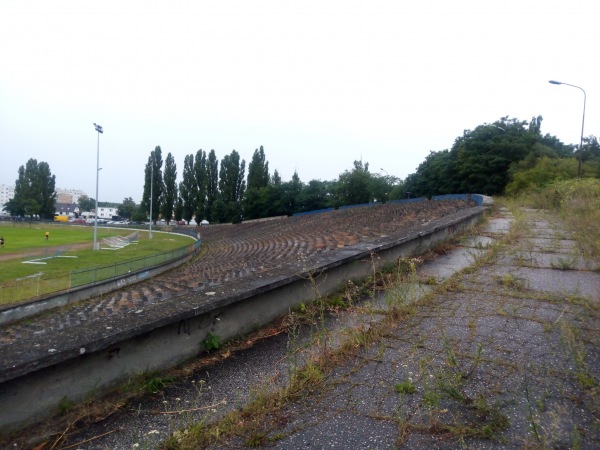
[{"x": 493, "y": 344}]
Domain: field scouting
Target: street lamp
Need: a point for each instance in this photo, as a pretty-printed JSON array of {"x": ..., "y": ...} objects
[
  {"x": 582, "y": 122},
  {"x": 151, "y": 183},
  {"x": 99, "y": 130}
]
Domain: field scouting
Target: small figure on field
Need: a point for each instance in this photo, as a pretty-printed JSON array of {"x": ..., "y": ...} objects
[
  {"x": 47, "y": 235},
  {"x": 1, "y": 241}
]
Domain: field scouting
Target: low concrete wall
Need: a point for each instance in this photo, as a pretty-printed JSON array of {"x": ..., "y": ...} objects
[{"x": 171, "y": 340}]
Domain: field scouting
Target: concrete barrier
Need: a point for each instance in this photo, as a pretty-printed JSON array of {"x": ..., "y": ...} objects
[{"x": 35, "y": 393}]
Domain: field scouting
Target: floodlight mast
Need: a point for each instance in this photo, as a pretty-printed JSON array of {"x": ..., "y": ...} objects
[
  {"x": 98, "y": 128},
  {"x": 582, "y": 123},
  {"x": 151, "y": 194}
]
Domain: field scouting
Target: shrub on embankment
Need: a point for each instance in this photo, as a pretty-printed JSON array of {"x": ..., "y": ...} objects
[{"x": 578, "y": 201}]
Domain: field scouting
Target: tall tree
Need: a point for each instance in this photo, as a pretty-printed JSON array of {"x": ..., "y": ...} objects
[
  {"x": 484, "y": 155},
  {"x": 276, "y": 178},
  {"x": 258, "y": 170},
  {"x": 275, "y": 196},
  {"x": 201, "y": 178},
  {"x": 256, "y": 202},
  {"x": 170, "y": 188},
  {"x": 179, "y": 210},
  {"x": 353, "y": 186},
  {"x": 291, "y": 195},
  {"x": 212, "y": 186},
  {"x": 34, "y": 191},
  {"x": 127, "y": 208},
  {"x": 232, "y": 186},
  {"x": 436, "y": 175},
  {"x": 315, "y": 195},
  {"x": 483, "y": 160},
  {"x": 188, "y": 189},
  {"x": 85, "y": 203},
  {"x": 153, "y": 182}
]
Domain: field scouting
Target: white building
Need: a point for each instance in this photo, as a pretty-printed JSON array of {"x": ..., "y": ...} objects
[
  {"x": 6, "y": 193},
  {"x": 69, "y": 196},
  {"x": 107, "y": 213}
]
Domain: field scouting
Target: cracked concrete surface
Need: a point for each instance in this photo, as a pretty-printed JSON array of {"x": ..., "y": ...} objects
[{"x": 508, "y": 358}]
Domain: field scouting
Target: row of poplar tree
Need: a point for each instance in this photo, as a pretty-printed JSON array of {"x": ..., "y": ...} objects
[
  {"x": 504, "y": 157},
  {"x": 220, "y": 192}
]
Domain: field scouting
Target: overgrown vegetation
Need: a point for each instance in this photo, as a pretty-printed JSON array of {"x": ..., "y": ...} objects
[
  {"x": 252, "y": 423},
  {"x": 507, "y": 156},
  {"x": 578, "y": 202}
]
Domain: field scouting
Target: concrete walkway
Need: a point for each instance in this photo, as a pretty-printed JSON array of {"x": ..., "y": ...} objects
[
  {"x": 506, "y": 357},
  {"x": 503, "y": 354}
]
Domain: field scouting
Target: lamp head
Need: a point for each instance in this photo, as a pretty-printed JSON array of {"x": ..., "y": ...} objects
[
  {"x": 98, "y": 128},
  {"x": 554, "y": 82}
]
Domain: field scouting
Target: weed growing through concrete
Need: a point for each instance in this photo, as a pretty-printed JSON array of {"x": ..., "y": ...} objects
[
  {"x": 564, "y": 263},
  {"x": 65, "y": 405},
  {"x": 405, "y": 387},
  {"x": 212, "y": 342},
  {"x": 576, "y": 348}
]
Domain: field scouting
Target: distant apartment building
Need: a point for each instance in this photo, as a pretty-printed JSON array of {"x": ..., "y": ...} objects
[
  {"x": 6, "y": 193},
  {"x": 63, "y": 196},
  {"x": 69, "y": 195}
]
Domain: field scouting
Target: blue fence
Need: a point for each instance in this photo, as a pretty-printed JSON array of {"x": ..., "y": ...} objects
[
  {"x": 409, "y": 200},
  {"x": 316, "y": 211},
  {"x": 475, "y": 197}
]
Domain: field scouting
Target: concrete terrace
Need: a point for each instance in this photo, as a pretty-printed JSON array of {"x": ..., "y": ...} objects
[
  {"x": 233, "y": 253},
  {"x": 234, "y": 260}
]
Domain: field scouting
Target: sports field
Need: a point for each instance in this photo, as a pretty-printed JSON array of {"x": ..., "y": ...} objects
[{"x": 29, "y": 258}]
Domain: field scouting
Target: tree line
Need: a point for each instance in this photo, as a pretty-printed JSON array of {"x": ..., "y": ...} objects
[
  {"x": 220, "y": 191},
  {"x": 506, "y": 156}
]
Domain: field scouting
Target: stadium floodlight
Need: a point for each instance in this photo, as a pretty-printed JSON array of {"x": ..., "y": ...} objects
[
  {"x": 100, "y": 131},
  {"x": 151, "y": 194},
  {"x": 582, "y": 123}
]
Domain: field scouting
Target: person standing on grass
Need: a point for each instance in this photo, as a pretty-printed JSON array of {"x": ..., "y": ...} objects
[
  {"x": 1, "y": 241},
  {"x": 47, "y": 235}
]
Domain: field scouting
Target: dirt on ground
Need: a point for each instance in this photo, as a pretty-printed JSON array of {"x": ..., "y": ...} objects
[{"x": 7, "y": 256}]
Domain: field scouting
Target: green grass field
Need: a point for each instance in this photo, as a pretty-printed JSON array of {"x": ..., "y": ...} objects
[
  {"x": 23, "y": 236},
  {"x": 54, "y": 273}
]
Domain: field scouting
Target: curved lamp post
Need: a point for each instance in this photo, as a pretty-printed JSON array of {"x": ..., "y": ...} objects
[
  {"x": 100, "y": 131},
  {"x": 582, "y": 123}
]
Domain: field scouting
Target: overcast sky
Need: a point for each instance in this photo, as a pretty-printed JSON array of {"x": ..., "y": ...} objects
[{"x": 318, "y": 84}]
